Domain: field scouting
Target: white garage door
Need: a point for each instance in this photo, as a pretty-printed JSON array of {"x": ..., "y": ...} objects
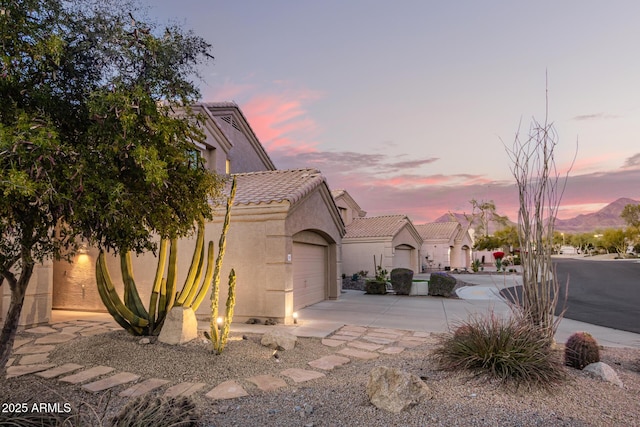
[
  {"x": 309, "y": 274},
  {"x": 402, "y": 258}
]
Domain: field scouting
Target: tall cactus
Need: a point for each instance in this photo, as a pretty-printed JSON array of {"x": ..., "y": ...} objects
[
  {"x": 131, "y": 313},
  {"x": 214, "y": 335}
]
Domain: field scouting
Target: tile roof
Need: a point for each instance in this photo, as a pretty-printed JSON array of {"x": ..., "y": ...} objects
[
  {"x": 377, "y": 226},
  {"x": 437, "y": 230},
  {"x": 275, "y": 186}
]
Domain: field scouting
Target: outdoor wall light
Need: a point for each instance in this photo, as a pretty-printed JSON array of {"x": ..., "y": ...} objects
[
  {"x": 219, "y": 320},
  {"x": 295, "y": 317}
]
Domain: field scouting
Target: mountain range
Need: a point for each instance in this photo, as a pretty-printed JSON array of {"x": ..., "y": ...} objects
[{"x": 607, "y": 217}]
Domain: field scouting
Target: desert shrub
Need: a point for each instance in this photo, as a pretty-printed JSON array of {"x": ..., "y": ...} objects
[
  {"x": 442, "y": 284},
  {"x": 401, "y": 279},
  {"x": 581, "y": 349},
  {"x": 144, "y": 411},
  {"x": 508, "y": 349}
]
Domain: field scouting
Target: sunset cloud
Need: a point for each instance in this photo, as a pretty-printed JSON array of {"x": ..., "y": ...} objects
[
  {"x": 597, "y": 116},
  {"x": 633, "y": 161}
]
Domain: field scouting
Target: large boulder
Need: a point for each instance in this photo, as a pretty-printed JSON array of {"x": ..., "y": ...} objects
[
  {"x": 401, "y": 280},
  {"x": 604, "y": 372},
  {"x": 442, "y": 285},
  {"x": 279, "y": 340},
  {"x": 180, "y": 326},
  {"x": 376, "y": 287},
  {"x": 394, "y": 390}
]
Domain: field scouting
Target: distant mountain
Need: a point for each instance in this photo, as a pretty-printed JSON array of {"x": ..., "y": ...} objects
[{"x": 607, "y": 217}]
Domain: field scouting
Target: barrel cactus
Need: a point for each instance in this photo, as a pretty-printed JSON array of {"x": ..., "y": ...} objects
[{"x": 581, "y": 350}]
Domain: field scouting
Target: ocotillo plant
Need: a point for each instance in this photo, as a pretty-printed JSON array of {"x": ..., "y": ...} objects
[
  {"x": 219, "y": 337},
  {"x": 131, "y": 314}
]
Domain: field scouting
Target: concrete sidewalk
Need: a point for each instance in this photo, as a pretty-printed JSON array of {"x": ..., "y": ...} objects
[{"x": 413, "y": 313}]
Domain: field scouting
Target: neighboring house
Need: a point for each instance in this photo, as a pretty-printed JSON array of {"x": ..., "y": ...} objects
[
  {"x": 446, "y": 245},
  {"x": 349, "y": 209},
  {"x": 392, "y": 237},
  {"x": 283, "y": 242}
]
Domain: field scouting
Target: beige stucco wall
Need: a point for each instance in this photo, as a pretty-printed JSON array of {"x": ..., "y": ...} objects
[
  {"x": 259, "y": 242},
  {"x": 406, "y": 238},
  {"x": 357, "y": 255},
  {"x": 438, "y": 252},
  {"x": 37, "y": 302}
]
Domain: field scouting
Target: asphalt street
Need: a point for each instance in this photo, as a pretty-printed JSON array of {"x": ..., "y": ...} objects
[{"x": 602, "y": 292}]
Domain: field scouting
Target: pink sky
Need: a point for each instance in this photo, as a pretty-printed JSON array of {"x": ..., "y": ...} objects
[{"x": 409, "y": 108}]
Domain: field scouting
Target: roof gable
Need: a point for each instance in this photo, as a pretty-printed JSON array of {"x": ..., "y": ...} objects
[
  {"x": 438, "y": 230},
  {"x": 275, "y": 186},
  {"x": 377, "y": 226},
  {"x": 344, "y": 195}
]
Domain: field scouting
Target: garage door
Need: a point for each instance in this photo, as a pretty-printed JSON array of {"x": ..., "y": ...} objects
[
  {"x": 309, "y": 274},
  {"x": 402, "y": 258}
]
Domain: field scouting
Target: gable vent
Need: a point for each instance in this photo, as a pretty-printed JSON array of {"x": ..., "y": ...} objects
[{"x": 231, "y": 121}]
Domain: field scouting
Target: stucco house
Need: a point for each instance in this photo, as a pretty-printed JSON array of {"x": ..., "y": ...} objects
[
  {"x": 284, "y": 241},
  {"x": 393, "y": 237},
  {"x": 446, "y": 245},
  {"x": 348, "y": 208}
]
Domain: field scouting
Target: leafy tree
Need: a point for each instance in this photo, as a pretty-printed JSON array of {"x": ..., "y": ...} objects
[
  {"x": 482, "y": 214},
  {"x": 504, "y": 238},
  {"x": 90, "y": 146},
  {"x": 615, "y": 240},
  {"x": 631, "y": 215}
]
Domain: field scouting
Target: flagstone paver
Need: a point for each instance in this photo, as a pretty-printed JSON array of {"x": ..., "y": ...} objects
[
  {"x": 17, "y": 371},
  {"x": 343, "y": 337},
  {"x": 33, "y": 349},
  {"x": 19, "y": 342},
  {"x": 59, "y": 370},
  {"x": 392, "y": 350},
  {"x": 358, "y": 354},
  {"x": 227, "y": 390},
  {"x": 42, "y": 330},
  {"x": 391, "y": 337},
  {"x": 71, "y": 329},
  {"x": 110, "y": 382},
  {"x": 377, "y": 340},
  {"x": 183, "y": 389},
  {"x": 144, "y": 387},
  {"x": 57, "y": 338},
  {"x": 332, "y": 343},
  {"x": 388, "y": 331},
  {"x": 87, "y": 374},
  {"x": 267, "y": 382},
  {"x": 34, "y": 359},
  {"x": 10, "y": 361},
  {"x": 354, "y": 328},
  {"x": 364, "y": 345},
  {"x": 327, "y": 363},
  {"x": 301, "y": 375},
  {"x": 349, "y": 333}
]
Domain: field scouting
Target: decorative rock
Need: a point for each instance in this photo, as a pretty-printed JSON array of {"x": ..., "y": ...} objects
[
  {"x": 603, "y": 371},
  {"x": 401, "y": 279},
  {"x": 144, "y": 341},
  {"x": 442, "y": 285},
  {"x": 180, "y": 326},
  {"x": 270, "y": 322},
  {"x": 253, "y": 321},
  {"x": 279, "y": 340},
  {"x": 393, "y": 390}
]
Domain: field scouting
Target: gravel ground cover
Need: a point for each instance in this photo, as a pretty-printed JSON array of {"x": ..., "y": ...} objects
[{"x": 339, "y": 398}]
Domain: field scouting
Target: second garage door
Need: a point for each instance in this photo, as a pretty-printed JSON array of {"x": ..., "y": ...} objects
[{"x": 309, "y": 274}]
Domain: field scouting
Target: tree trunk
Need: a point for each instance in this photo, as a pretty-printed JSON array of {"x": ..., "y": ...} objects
[{"x": 18, "y": 291}]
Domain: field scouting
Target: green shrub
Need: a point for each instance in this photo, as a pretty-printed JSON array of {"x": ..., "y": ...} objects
[
  {"x": 442, "y": 284},
  {"x": 508, "y": 349},
  {"x": 581, "y": 349}
]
